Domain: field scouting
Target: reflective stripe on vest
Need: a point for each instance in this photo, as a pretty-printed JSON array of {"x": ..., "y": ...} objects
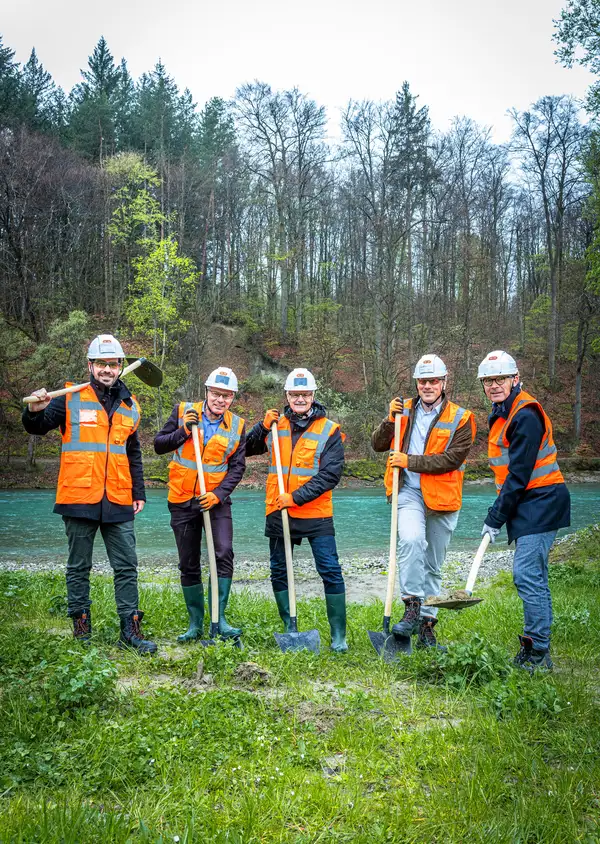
[
  {"x": 549, "y": 473},
  {"x": 88, "y": 431},
  {"x": 295, "y": 477},
  {"x": 441, "y": 492},
  {"x": 183, "y": 470}
]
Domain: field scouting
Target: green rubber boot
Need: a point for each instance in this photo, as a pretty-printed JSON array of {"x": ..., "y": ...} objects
[
  {"x": 282, "y": 599},
  {"x": 194, "y": 601},
  {"x": 336, "y": 614},
  {"x": 226, "y": 631}
]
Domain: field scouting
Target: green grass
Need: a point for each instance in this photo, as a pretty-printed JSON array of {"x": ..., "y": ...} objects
[{"x": 103, "y": 746}]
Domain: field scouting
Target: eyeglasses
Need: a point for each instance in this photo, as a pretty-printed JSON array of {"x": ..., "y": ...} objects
[
  {"x": 295, "y": 395},
  {"x": 433, "y": 381},
  {"x": 112, "y": 364},
  {"x": 220, "y": 396},
  {"x": 500, "y": 380}
]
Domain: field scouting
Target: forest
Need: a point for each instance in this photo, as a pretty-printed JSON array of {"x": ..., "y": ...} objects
[{"x": 127, "y": 207}]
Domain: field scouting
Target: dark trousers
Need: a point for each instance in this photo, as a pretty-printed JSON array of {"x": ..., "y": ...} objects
[
  {"x": 327, "y": 562},
  {"x": 187, "y": 524},
  {"x": 119, "y": 540}
]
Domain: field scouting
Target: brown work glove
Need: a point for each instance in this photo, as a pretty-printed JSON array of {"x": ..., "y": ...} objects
[
  {"x": 398, "y": 460},
  {"x": 396, "y": 406},
  {"x": 270, "y": 417},
  {"x": 190, "y": 418},
  {"x": 208, "y": 501}
]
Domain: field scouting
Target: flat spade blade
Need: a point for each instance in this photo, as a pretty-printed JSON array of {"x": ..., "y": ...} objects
[
  {"x": 389, "y": 646},
  {"x": 457, "y": 600},
  {"x": 309, "y": 641},
  {"x": 147, "y": 372}
]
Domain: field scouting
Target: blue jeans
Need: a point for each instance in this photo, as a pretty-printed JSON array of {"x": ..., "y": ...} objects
[
  {"x": 530, "y": 575},
  {"x": 326, "y": 560}
]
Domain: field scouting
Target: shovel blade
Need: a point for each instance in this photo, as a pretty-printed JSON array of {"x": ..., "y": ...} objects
[
  {"x": 309, "y": 641},
  {"x": 456, "y": 603},
  {"x": 389, "y": 646},
  {"x": 148, "y": 372}
]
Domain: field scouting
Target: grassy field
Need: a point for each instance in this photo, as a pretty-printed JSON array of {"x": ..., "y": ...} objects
[{"x": 194, "y": 744}]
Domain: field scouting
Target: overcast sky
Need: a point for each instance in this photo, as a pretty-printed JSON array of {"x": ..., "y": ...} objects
[{"x": 462, "y": 57}]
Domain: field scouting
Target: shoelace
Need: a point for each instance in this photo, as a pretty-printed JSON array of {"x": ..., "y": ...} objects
[
  {"x": 135, "y": 628},
  {"x": 82, "y": 627}
]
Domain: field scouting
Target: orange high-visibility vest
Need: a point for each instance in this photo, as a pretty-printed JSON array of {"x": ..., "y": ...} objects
[
  {"x": 440, "y": 492},
  {"x": 545, "y": 471},
  {"x": 183, "y": 472},
  {"x": 94, "y": 450},
  {"x": 299, "y": 466}
]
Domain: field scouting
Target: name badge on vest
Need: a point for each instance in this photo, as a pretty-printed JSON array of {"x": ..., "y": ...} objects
[{"x": 88, "y": 417}]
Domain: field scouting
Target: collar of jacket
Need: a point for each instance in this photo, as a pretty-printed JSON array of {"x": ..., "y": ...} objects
[
  {"x": 317, "y": 411},
  {"x": 503, "y": 409},
  {"x": 118, "y": 391},
  {"x": 417, "y": 401},
  {"x": 221, "y": 420}
]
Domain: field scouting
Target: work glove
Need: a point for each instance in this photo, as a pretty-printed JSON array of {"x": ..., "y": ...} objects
[
  {"x": 270, "y": 417},
  {"x": 398, "y": 460},
  {"x": 396, "y": 406},
  {"x": 190, "y": 418},
  {"x": 208, "y": 501},
  {"x": 491, "y": 531},
  {"x": 284, "y": 500}
]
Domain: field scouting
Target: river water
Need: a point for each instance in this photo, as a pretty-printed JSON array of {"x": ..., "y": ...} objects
[{"x": 30, "y": 530}]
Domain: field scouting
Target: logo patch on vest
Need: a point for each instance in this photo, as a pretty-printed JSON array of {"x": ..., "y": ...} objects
[{"x": 88, "y": 417}]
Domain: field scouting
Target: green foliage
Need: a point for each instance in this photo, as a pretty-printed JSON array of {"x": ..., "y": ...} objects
[
  {"x": 163, "y": 295},
  {"x": 476, "y": 662},
  {"x": 259, "y": 385},
  {"x": 520, "y": 694},
  {"x": 80, "y": 679},
  {"x": 135, "y": 215},
  {"x": 62, "y": 357},
  {"x": 365, "y": 470},
  {"x": 536, "y": 325}
]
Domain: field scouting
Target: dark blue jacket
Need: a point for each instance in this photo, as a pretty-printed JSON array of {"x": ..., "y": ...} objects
[
  {"x": 55, "y": 416},
  {"x": 331, "y": 467},
  {"x": 524, "y": 511}
]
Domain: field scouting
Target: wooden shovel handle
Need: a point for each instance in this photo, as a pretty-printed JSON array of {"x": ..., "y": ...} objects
[
  {"x": 210, "y": 544},
  {"x": 76, "y": 388},
  {"x": 287, "y": 540},
  {"x": 391, "y": 584}
]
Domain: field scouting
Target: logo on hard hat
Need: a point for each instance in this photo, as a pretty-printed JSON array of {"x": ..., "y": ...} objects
[
  {"x": 428, "y": 360},
  {"x": 493, "y": 357}
]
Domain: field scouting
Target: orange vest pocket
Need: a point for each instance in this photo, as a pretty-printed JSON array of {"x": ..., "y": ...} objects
[{"x": 77, "y": 468}]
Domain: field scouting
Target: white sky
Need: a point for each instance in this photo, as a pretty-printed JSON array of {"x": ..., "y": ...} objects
[{"x": 462, "y": 57}]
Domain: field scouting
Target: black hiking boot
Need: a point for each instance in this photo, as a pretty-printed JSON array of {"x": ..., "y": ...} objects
[
  {"x": 82, "y": 627},
  {"x": 530, "y": 658},
  {"x": 426, "y": 638},
  {"x": 132, "y": 636},
  {"x": 409, "y": 623}
]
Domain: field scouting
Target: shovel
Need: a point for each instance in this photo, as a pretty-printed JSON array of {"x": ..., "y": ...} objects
[
  {"x": 386, "y": 644},
  {"x": 146, "y": 371},
  {"x": 463, "y": 597},
  {"x": 210, "y": 545},
  {"x": 292, "y": 640}
]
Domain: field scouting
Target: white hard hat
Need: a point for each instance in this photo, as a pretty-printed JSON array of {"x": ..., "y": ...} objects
[
  {"x": 222, "y": 377},
  {"x": 430, "y": 366},
  {"x": 497, "y": 363},
  {"x": 300, "y": 380},
  {"x": 105, "y": 346}
]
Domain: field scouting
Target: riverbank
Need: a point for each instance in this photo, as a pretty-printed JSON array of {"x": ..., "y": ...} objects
[{"x": 225, "y": 745}]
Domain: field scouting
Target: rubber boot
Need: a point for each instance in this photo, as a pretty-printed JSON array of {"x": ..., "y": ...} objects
[
  {"x": 226, "y": 631},
  {"x": 82, "y": 627},
  {"x": 426, "y": 637},
  {"x": 282, "y": 599},
  {"x": 409, "y": 623},
  {"x": 132, "y": 636},
  {"x": 336, "y": 615},
  {"x": 530, "y": 658},
  {"x": 194, "y": 601}
]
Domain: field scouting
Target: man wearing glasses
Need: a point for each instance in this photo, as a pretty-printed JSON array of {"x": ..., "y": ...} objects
[
  {"x": 312, "y": 456},
  {"x": 223, "y": 446},
  {"x": 533, "y": 501},
  {"x": 100, "y": 484},
  {"x": 435, "y": 438}
]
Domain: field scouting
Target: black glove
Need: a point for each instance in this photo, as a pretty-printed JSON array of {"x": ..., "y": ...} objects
[{"x": 190, "y": 418}]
